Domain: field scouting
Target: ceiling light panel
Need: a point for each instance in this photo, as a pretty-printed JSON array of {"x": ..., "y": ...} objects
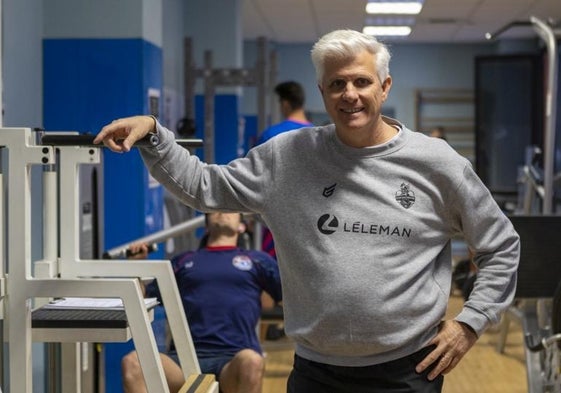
[
  {"x": 389, "y": 21},
  {"x": 394, "y": 7},
  {"x": 379, "y": 31}
]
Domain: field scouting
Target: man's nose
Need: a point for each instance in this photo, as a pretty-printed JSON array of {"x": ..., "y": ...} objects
[{"x": 350, "y": 93}]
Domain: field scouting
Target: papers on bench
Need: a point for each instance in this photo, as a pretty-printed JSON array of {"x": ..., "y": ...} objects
[{"x": 95, "y": 303}]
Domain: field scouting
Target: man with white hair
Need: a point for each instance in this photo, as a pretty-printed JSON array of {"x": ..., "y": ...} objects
[{"x": 363, "y": 212}]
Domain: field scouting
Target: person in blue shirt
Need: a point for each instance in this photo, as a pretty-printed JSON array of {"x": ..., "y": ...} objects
[
  {"x": 291, "y": 100},
  {"x": 220, "y": 285}
]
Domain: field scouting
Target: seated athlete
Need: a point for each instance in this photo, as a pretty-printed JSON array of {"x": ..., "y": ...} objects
[{"x": 220, "y": 285}]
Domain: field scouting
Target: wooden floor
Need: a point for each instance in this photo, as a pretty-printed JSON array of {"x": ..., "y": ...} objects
[{"x": 483, "y": 369}]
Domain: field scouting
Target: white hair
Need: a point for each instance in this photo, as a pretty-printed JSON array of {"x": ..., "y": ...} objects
[{"x": 342, "y": 44}]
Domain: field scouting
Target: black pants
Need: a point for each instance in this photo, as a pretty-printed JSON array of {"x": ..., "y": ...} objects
[{"x": 395, "y": 376}]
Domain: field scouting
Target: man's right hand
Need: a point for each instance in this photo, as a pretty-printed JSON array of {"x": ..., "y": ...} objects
[
  {"x": 138, "y": 251},
  {"x": 121, "y": 134}
]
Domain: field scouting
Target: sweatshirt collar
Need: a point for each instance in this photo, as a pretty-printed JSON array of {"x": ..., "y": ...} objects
[{"x": 394, "y": 144}]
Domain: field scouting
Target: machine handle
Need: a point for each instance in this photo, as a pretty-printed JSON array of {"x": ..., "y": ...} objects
[
  {"x": 87, "y": 140},
  {"x": 126, "y": 253}
]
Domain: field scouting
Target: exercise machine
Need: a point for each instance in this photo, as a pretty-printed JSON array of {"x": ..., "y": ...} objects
[
  {"x": 230, "y": 77},
  {"x": 26, "y": 287},
  {"x": 257, "y": 77},
  {"x": 533, "y": 308}
]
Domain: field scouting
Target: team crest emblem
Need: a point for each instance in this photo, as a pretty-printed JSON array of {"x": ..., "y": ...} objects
[
  {"x": 405, "y": 196},
  {"x": 242, "y": 262}
]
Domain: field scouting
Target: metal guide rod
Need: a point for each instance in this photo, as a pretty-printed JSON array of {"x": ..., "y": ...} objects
[
  {"x": 87, "y": 140},
  {"x": 210, "y": 91},
  {"x": 545, "y": 32},
  {"x": 50, "y": 219},
  {"x": 189, "y": 78},
  {"x": 260, "y": 67},
  {"x": 2, "y": 259},
  {"x": 274, "y": 108}
]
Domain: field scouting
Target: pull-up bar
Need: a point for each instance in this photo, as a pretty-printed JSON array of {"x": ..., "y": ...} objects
[{"x": 508, "y": 26}]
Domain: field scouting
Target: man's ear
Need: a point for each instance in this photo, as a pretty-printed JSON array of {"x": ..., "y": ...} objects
[
  {"x": 320, "y": 89},
  {"x": 242, "y": 227},
  {"x": 386, "y": 86}
]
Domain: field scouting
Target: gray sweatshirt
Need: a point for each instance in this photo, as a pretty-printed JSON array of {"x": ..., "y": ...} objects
[{"x": 362, "y": 236}]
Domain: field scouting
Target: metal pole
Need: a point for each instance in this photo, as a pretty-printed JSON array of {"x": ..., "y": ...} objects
[
  {"x": 48, "y": 266},
  {"x": 50, "y": 216},
  {"x": 1, "y": 79},
  {"x": 2, "y": 272},
  {"x": 160, "y": 236},
  {"x": 209, "y": 109},
  {"x": 2, "y": 260},
  {"x": 274, "y": 108},
  {"x": 189, "y": 77},
  {"x": 546, "y": 33},
  {"x": 260, "y": 68}
]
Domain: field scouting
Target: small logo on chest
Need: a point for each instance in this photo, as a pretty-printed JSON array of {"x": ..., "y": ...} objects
[
  {"x": 242, "y": 262},
  {"x": 405, "y": 196},
  {"x": 328, "y": 191}
]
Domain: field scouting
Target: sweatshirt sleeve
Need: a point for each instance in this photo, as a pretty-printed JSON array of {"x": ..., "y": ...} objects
[
  {"x": 237, "y": 186},
  {"x": 496, "y": 245}
]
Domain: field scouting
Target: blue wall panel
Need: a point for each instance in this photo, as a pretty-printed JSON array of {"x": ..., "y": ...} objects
[
  {"x": 225, "y": 126},
  {"x": 250, "y": 133},
  {"x": 87, "y": 83}
]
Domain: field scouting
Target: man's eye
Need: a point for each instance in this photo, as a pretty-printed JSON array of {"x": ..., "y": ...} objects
[
  {"x": 362, "y": 82},
  {"x": 337, "y": 84}
]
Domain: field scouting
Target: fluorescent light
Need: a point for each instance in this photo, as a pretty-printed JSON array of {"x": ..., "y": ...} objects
[
  {"x": 403, "y": 7},
  {"x": 387, "y": 30},
  {"x": 391, "y": 20}
]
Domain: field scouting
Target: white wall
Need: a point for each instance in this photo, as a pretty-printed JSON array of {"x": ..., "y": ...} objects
[
  {"x": 101, "y": 18},
  {"x": 172, "y": 52},
  {"x": 22, "y": 63}
]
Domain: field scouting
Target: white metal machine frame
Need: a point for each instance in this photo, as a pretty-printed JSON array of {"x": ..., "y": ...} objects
[{"x": 67, "y": 275}]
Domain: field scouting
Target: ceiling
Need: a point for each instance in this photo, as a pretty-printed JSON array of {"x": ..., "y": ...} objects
[{"x": 440, "y": 21}]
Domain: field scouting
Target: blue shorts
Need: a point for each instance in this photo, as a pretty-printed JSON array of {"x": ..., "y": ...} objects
[{"x": 208, "y": 364}]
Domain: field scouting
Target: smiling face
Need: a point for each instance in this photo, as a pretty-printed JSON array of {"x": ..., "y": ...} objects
[{"x": 353, "y": 96}]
